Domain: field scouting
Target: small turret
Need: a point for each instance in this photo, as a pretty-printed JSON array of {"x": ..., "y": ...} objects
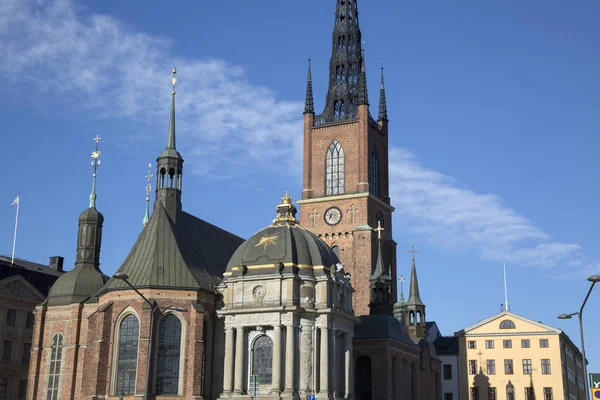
[
  {"x": 169, "y": 169},
  {"x": 85, "y": 280},
  {"x": 414, "y": 308},
  {"x": 380, "y": 282}
]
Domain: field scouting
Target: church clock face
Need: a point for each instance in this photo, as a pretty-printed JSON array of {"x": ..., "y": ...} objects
[{"x": 333, "y": 216}]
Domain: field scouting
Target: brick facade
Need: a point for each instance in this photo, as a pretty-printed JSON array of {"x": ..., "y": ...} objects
[
  {"x": 357, "y": 247},
  {"x": 90, "y": 333}
]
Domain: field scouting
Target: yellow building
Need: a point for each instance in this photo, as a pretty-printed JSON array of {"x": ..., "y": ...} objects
[{"x": 539, "y": 361}]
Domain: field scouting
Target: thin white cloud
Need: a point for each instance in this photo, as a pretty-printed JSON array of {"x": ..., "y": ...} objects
[
  {"x": 57, "y": 48},
  {"x": 432, "y": 205},
  {"x": 60, "y": 50}
]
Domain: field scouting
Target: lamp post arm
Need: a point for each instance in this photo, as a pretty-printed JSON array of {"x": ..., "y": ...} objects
[
  {"x": 140, "y": 294},
  {"x": 586, "y": 386}
]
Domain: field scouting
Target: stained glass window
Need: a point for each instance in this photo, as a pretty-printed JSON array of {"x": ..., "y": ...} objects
[
  {"x": 127, "y": 357},
  {"x": 169, "y": 352},
  {"x": 262, "y": 360},
  {"x": 335, "y": 169},
  {"x": 54, "y": 372},
  {"x": 374, "y": 184}
]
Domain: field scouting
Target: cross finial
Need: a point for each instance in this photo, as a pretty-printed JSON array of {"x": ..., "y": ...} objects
[
  {"x": 413, "y": 251},
  {"x": 174, "y": 80},
  {"x": 379, "y": 229},
  {"x": 148, "y": 189}
]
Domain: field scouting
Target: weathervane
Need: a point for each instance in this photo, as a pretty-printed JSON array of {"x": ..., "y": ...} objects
[
  {"x": 174, "y": 80},
  {"x": 95, "y": 164},
  {"x": 148, "y": 189},
  {"x": 402, "y": 279}
]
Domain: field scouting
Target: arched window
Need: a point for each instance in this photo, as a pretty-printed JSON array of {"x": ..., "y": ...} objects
[
  {"x": 374, "y": 181},
  {"x": 336, "y": 250},
  {"x": 507, "y": 324},
  {"x": 335, "y": 169},
  {"x": 127, "y": 355},
  {"x": 54, "y": 372},
  {"x": 169, "y": 353},
  {"x": 363, "y": 378},
  {"x": 262, "y": 360}
]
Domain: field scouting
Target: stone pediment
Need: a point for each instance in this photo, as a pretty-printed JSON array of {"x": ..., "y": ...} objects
[{"x": 17, "y": 287}]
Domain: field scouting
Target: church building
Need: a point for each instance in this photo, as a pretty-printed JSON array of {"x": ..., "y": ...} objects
[{"x": 305, "y": 307}]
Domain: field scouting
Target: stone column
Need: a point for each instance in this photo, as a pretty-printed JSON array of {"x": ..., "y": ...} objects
[
  {"x": 324, "y": 364},
  {"x": 289, "y": 358},
  {"x": 306, "y": 359},
  {"x": 276, "y": 359},
  {"x": 228, "y": 373},
  {"x": 239, "y": 361},
  {"x": 335, "y": 364},
  {"x": 349, "y": 364}
]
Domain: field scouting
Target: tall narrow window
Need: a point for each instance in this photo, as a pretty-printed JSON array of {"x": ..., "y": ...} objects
[
  {"x": 11, "y": 317},
  {"x": 335, "y": 169},
  {"x": 491, "y": 367},
  {"x": 7, "y": 351},
  {"x": 3, "y": 388},
  {"x": 26, "y": 353},
  {"x": 54, "y": 372},
  {"x": 127, "y": 356},
  {"x": 29, "y": 322},
  {"x": 262, "y": 360},
  {"x": 374, "y": 184},
  {"x": 492, "y": 395},
  {"x": 363, "y": 378},
  {"x": 169, "y": 352}
]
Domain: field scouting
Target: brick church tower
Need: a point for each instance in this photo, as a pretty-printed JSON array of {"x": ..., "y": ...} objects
[{"x": 346, "y": 180}]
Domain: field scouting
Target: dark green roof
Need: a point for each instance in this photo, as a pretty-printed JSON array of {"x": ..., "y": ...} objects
[
  {"x": 76, "y": 286},
  {"x": 283, "y": 243},
  {"x": 380, "y": 326},
  {"x": 189, "y": 254}
]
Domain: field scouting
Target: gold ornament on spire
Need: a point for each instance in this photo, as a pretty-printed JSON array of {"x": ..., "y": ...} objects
[
  {"x": 174, "y": 80},
  {"x": 413, "y": 251}
]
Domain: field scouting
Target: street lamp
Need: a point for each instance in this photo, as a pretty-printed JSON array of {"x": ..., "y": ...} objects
[
  {"x": 510, "y": 391},
  {"x": 594, "y": 279},
  {"x": 153, "y": 308}
]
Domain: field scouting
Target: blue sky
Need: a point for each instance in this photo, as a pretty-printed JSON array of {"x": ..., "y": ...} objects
[{"x": 493, "y": 120}]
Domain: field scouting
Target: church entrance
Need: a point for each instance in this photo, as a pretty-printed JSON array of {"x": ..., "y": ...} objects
[{"x": 363, "y": 378}]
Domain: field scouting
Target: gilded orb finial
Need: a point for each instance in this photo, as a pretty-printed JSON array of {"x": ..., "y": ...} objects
[
  {"x": 286, "y": 211},
  {"x": 286, "y": 199}
]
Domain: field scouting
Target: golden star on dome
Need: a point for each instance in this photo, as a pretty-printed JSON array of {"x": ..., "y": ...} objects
[{"x": 266, "y": 241}]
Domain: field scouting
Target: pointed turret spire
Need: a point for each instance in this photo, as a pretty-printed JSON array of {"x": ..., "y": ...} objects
[
  {"x": 95, "y": 164},
  {"x": 148, "y": 189},
  {"x": 309, "y": 107},
  {"x": 344, "y": 66},
  {"x": 380, "y": 282},
  {"x": 383, "y": 116},
  {"x": 414, "y": 297},
  {"x": 169, "y": 166},
  {"x": 363, "y": 93},
  {"x": 414, "y": 309}
]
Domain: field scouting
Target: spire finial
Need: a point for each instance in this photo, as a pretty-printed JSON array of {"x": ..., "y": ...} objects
[
  {"x": 383, "y": 115},
  {"x": 363, "y": 95},
  {"x": 286, "y": 211},
  {"x": 309, "y": 106},
  {"x": 379, "y": 229},
  {"x": 402, "y": 279},
  {"x": 95, "y": 164},
  {"x": 413, "y": 251},
  {"x": 171, "y": 138},
  {"x": 148, "y": 189},
  {"x": 174, "y": 80}
]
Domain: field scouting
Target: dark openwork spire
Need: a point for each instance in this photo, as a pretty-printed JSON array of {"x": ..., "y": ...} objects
[
  {"x": 344, "y": 67},
  {"x": 309, "y": 107},
  {"x": 383, "y": 116},
  {"x": 380, "y": 282},
  {"x": 169, "y": 167}
]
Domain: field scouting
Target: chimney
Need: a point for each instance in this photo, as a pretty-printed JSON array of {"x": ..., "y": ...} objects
[{"x": 56, "y": 263}]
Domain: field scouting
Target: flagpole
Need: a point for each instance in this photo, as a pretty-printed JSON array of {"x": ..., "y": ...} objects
[
  {"x": 12, "y": 261},
  {"x": 505, "y": 290}
]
